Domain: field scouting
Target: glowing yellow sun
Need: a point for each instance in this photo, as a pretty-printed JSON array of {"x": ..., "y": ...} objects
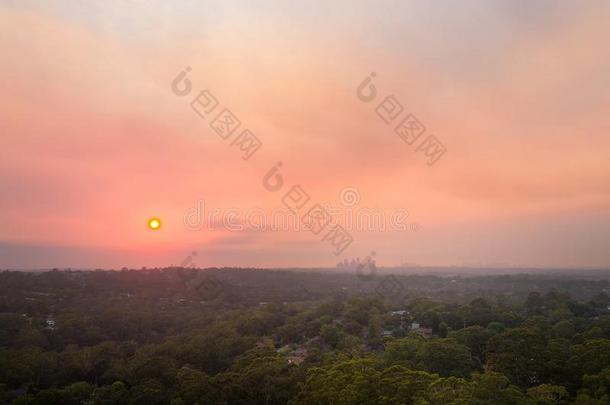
[{"x": 154, "y": 224}]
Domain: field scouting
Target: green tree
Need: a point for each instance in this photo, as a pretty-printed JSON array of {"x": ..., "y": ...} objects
[
  {"x": 375, "y": 328},
  {"x": 519, "y": 354},
  {"x": 116, "y": 393},
  {"x": 331, "y": 334},
  {"x": 495, "y": 388},
  {"x": 445, "y": 357},
  {"x": 564, "y": 329},
  {"x": 548, "y": 394}
]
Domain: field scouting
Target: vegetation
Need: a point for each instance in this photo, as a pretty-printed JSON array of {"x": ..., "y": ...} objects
[{"x": 245, "y": 336}]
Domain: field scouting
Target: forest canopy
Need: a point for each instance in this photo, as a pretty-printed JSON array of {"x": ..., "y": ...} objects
[{"x": 246, "y": 336}]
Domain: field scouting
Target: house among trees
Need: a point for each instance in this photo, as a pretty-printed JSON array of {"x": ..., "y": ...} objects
[
  {"x": 298, "y": 356},
  {"x": 50, "y": 323},
  {"x": 425, "y": 332}
]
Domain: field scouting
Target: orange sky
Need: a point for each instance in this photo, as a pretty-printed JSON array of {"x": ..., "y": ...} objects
[{"x": 94, "y": 142}]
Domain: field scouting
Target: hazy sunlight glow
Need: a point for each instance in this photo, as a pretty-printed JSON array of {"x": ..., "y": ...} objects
[{"x": 154, "y": 224}]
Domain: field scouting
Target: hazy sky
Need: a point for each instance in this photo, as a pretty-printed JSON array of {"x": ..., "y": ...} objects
[{"x": 94, "y": 142}]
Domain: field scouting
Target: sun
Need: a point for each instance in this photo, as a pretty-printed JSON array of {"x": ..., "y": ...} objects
[{"x": 154, "y": 224}]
